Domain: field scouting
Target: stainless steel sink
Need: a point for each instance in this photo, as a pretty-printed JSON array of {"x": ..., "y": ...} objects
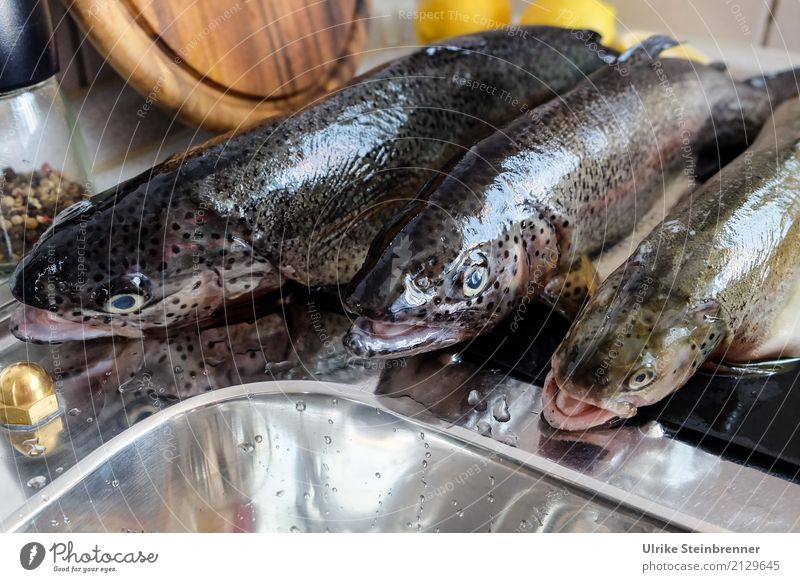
[
  {"x": 313, "y": 457},
  {"x": 151, "y": 439}
]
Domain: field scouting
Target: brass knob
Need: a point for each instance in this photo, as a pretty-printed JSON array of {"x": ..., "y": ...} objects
[{"x": 27, "y": 395}]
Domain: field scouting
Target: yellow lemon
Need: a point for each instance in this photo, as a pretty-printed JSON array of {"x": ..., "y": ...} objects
[
  {"x": 438, "y": 19},
  {"x": 633, "y": 37},
  {"x": 593, "y": 14}
]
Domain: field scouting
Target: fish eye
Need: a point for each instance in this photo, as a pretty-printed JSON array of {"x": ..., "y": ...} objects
[
  {"x": 641, "y": 378},
  {"x": 475, "y": 280},
  {"x": 125, "y": 303}
]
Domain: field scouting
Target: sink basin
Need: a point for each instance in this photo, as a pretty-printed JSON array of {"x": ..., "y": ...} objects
[{"x": 300, "y": 456}]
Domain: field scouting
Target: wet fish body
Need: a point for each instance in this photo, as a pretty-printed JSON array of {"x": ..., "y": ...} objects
[
  {"x": 527, "y": 202},
  {"x": 297, "y": 341},
  {"x": 298, "y": 198},
  {"x": 718, "y": 279}
]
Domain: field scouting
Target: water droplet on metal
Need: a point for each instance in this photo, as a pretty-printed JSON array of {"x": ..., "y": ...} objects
[
  {"x": 247, "y": 448},
  {"x": 300, "y": 406},
  {"x": 258, "y": 438},
  {"x": 330, "y": 421},
  {"x": 328, "y": 440},
  {"x": 34, "y": 448},
  {"x": 37, "y": 482},
  {"x": 378, "y": 475},
  {"x": 294, "y": 529},
  {"x": 652, "y": 429},
  {"x": 424, "y": 464},
  {"x": 178, "y": 370},
  {"x": 115, "y": 483},
  {"x": 74, "y": 411},
  {"x": 490, "y": 499},
  {"x": 422, "y": 436},
  {"x": 500, "y": 410},
  {"x": 279, "y": 493}
]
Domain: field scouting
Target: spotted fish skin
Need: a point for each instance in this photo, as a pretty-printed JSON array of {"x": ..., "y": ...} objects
[
  {"x": 360, "y": 153},
  {"x": 545, "y": 190},
  {"x": 244, "y": 213},
  {"x": 718, "y": 279},
  {"x": 280, "y": 344},
  {"x": 297, "y": 198}
]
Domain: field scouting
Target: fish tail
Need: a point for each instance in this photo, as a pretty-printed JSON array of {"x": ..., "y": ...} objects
[
  {"x": 779, "y": 86},
  {"x": 648, "y": 50}
]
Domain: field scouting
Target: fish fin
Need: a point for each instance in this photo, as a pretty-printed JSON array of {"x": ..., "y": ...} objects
[
  {"x": 779, "y": 86},
  {"x": 568, "y": 290},
  {"x": 751, "y": 369},
  {"x": 648, "y": 50},
  {"x": 608, "y": 55}
]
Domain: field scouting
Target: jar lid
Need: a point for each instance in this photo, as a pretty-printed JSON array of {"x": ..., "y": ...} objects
[{"x": 27, "y": 51}]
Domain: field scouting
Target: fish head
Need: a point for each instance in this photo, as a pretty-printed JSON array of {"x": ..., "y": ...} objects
[
  {"x": 430, "y": 282},
  {"x": 635, "y": 342},
  {"x": 130, "y": 260}
]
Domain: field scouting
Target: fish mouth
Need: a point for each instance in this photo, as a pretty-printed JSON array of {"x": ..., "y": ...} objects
[
  {"x": 566, "y": 412},
  {"x": 31, "y": 324},
  {"x": 377, "y": 339}
]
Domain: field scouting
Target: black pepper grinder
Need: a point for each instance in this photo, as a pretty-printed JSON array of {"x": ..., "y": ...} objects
[{"x": 41, "y": 153}]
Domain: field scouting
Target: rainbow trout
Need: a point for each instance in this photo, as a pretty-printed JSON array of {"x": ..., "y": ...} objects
[
  {"x": 298, "y": 198},
  {"x": 510, "y": 222},
  {"x": 717, "y": 280}
]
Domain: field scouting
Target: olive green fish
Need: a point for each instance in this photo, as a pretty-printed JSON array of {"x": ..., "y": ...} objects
[
  {"x": 522, "y": 209},
  {"x": 298, "y": 198},
  {"x": 717, "y": 280}
]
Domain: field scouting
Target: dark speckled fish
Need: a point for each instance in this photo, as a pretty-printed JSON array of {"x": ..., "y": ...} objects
[
  {"x": 514, "y": 218},
  {"x": 298, "y": 198},
  {"x": 294, "y": 342},
  {"x": 719, "y": 279}
]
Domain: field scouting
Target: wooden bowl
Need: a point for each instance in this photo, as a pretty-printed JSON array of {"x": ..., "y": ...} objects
[{"x": 227, "y": 63}]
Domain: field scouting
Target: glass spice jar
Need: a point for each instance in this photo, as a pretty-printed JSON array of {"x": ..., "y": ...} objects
[{"x": 41, "y": 153}]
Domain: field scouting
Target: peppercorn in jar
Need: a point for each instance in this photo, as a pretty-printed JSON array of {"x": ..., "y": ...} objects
[{"x": 41, "y": 152}]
